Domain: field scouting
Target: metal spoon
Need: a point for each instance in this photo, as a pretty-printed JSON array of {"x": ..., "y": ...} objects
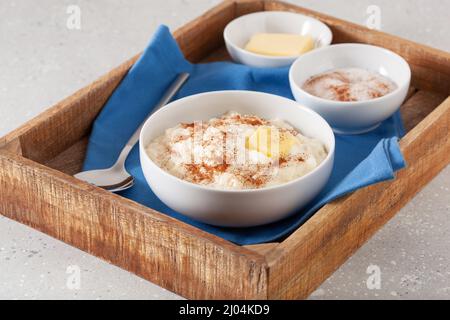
[
  {"x": 121, "y": 188},
  {"x": 116, "y": 178}
]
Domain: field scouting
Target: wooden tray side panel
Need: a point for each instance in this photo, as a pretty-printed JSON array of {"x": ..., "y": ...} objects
[
  {"x": 156, "y": 247},
  {"x": 67, "y": 122},
  {"x": 419, "y": 106},
  {"x": 203, "y": 35},
  {"x": 177, "y": 256},
  {"x": 430, "y": 67},
  {"x": 313, "y": 252}
]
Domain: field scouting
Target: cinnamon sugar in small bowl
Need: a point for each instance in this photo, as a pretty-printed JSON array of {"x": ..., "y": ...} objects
[{"x": 353, "y": 86}]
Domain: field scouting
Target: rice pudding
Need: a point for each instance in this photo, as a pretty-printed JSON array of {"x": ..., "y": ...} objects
[
  {"x": 236, "y": 152},
  {"x": 349, "y": 84}
]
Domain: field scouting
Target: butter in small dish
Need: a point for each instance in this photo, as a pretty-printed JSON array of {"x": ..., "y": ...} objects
[{"x": 280, "y": 44}]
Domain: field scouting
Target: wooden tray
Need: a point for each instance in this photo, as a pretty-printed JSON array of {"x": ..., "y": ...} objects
[{"x": 37, "y": 189}]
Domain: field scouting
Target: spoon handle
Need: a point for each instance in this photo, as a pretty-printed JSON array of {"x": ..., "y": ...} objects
[{"x": 169, "y": 94}]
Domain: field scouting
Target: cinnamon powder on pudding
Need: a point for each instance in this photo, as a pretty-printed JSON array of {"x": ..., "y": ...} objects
[
  {"x": 349, "y": 84},
  {"x": 215, "y": 152},
  {"x": 203, "y": 172}
]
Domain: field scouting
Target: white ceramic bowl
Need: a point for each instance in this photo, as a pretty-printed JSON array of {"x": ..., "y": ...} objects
[
  {"x": 358, "y": 116},
  {"x": 241, "y": 208},
  {"x": 239, "y": 31}
]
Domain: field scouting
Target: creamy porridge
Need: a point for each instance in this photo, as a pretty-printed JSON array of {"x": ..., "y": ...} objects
[
  {"x": 236, "y": 151},
  {"x": 349, "y": 84}
]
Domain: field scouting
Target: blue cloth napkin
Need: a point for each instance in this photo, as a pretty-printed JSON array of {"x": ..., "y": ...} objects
[{"x": 360, "y": 160}]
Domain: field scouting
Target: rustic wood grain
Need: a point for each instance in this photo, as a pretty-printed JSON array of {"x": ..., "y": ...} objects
[
  {"x": 411, "y": 92},
  {"x": 204, "y": 35},
  {"x": 161, "y": 249},
  {"x": 64, "y": 124},
  {"x": 13, "y": 145},
  {"x": 37, "y": 159},
  {"x": 313, "y": 252},
  {"x": 248, "y": 6},
  {"x": 419, "y": 106},
  {"x": 430, "y": 67},
  {"x": 220, "y": 54},
  {"x": 61, "y": 126},
  {"x": 70, "y": 161},
  {"x": 263, "y": 248}
]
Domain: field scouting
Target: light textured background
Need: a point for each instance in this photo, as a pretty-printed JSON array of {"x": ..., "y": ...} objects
[{"x": 41, "y": 62}]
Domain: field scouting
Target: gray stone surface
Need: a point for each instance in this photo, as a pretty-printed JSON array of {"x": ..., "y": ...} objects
[{"x": 42, "y": 61}]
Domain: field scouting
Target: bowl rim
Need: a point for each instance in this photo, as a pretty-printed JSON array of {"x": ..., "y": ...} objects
[
  {"x": 341, "y": 104},
  {"x": 275, "y": 58},
  {"x": 328, "y": 158}
]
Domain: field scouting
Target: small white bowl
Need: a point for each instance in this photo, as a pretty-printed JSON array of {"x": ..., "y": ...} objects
[
  {"x": 239, "y": 31},
  {"x": 240, "y": 208},
  {"x": 357, "y": 116}
]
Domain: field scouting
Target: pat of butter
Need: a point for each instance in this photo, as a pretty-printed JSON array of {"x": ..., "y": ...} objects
[
  {"x": 279, "y": 44},
  {"x": 261, "y": 141}
]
